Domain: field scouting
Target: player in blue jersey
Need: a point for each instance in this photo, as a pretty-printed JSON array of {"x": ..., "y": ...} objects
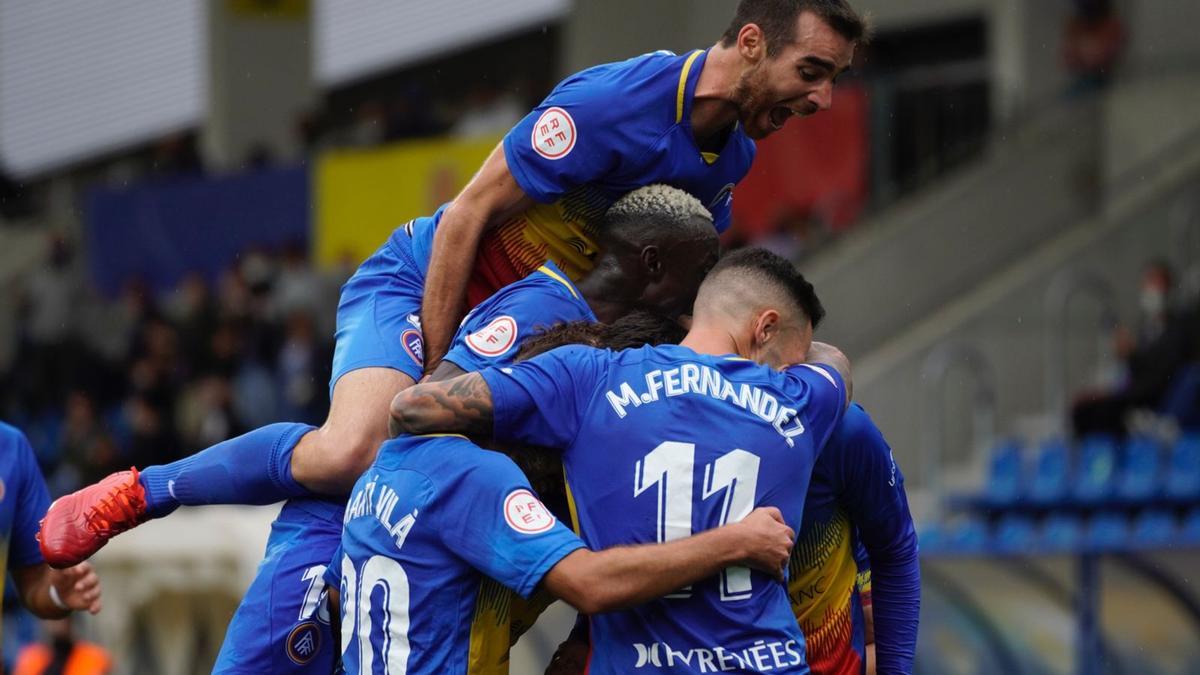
[
  {"x": 435, "y": 514},
  {"x": 686, "y": 121},
  {"x": 282, "y": 624},
  {"x": 855, "y": 516},
  {"x": 663, "y": 442},
  {"x": 48, "y": 593},
  {"x": 856, "y": 500}
]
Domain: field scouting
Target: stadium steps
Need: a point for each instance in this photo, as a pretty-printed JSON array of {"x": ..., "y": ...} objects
[
  {"x": 913, "y": 257},
  {"x": 1004, "y": 318}
]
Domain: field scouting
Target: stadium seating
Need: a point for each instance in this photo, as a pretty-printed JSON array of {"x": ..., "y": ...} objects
[
  {"x": 1061, "y": 533},
  {"x": 1015, "y": 534},
  {"x": 1051, "y": 474},
  {"x": 1153, "y": 529},
  {"x": 1097, "y": 470},
  {"x": 1189, "y": 532},
  {"x": 1106, "y": 532},
  {"x": 1139, "y": 479},
  {"x": 1006, "y": 475},
  {"x": 1183, "y": 472},
  {"x": 1112, "y": 497}
]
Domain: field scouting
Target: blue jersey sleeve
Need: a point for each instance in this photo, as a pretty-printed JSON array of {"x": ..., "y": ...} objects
[
  {"x": 492, "y": 333},
  {"x": 577, "y": 135},
  {"x": 495, "y": 522},
  {"x": 542, "y": 401},
  {"x": 826, "y": 399},
  {"x": 871, "y": 488},
  {"x": 33, "y": 499}
]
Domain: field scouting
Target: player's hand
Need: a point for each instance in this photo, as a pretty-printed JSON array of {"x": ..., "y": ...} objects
[
  {"x": 78, "y": 587},
  {"x": 769, "y": 540}
]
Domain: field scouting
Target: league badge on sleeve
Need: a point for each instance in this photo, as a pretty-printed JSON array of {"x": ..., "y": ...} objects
[
  {"x": 526, "y": 514},
  {"x": 554, "y": 134},
  {"x": 494, "y": 339},
  {"x": 303, "y": 643}
]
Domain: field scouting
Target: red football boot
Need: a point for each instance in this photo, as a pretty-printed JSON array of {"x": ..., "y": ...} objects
[{"x": 81, "y": 523}]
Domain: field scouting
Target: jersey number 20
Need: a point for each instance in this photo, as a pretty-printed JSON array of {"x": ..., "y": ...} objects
[
  {"x": 386, "y": 580},
  {"x": 671, "y": 468}
]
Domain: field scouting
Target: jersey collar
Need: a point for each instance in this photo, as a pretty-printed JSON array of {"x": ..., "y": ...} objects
[
  {"x": 689, "y": 77},
  {"x": 551, "y": 270}
]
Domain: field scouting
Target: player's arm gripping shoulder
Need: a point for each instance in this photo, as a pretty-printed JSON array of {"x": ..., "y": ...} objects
[{"x": 459, "y": 405}]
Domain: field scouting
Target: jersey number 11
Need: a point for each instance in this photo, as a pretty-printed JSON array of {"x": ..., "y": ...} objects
[{"x": 671, "y": 467}]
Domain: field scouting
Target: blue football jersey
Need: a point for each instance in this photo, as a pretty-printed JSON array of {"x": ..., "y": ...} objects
[
  {"x": 491, "y": 333},
  {"x": 23, "y": 501},
  {"x": 424, "y": 525},
  {"x": 660, "y": 443},
  {"x": 600, "y": 134}
]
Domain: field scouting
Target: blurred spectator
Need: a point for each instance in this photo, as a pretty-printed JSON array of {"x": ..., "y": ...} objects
[
  {"x": 300, "y": 371},
  {"x": 51, "y": 299},
  {"x": 297, "y": 286},
  {"x": 191, "y": 307},
  {"x": 489, "y": 111},
  {"x": 86, "y": 448},
  {"x": 138, "y": 381},
  {"x": 1092, "y": 44},
  {"x": 1153, "y": 353},
  {"x": 206, "y": 414},
  {"x": 177, "y": 153},
  {"x": 64, "y": 655}
]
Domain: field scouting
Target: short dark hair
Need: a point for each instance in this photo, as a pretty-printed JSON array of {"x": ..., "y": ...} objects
[
  {"x": 777, "y": 19},
  {"x": 775, "y": 269},
  {"x": 635, "y": 329}
]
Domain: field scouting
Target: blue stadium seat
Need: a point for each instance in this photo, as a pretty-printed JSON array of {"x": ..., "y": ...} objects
[
  {"x": 1107, "y": 532},
  {"x": 1061, "y": 533},
  {"x": 932, "y": 538},
  {"x": 1189, "y": 531},
  {"x": 1015, "y": 534},
  {"x": 1051, "y": 473},
  {"x": 966, "y": 536},
  {"x": 1183, "y": 474},
  {"x": 1005, "y": 479},
  {"x": 1094, "y": 479},
  {"x": 1139, "y": 475},
  {"x": 1154, "y": 529}
]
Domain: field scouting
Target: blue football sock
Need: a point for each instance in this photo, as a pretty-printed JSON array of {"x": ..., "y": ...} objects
[{"x": 254, "y": 468}]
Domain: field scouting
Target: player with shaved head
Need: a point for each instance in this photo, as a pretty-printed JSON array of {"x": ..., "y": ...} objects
[{"x": 661, "y": 442}]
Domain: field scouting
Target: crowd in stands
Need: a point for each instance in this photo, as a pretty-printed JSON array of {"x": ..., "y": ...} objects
[
  {"x": 101, "y": 384},
  {"x": 1158, "y": 357}
]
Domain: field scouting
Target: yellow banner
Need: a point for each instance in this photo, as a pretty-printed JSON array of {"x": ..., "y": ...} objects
[{"x": 363, "y": 195}]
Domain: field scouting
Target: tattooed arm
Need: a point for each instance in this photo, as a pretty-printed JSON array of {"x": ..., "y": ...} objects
[{"x": 459, "y": 405}]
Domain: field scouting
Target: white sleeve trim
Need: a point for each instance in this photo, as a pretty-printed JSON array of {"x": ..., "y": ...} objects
[{"x": 824, "y": 373}]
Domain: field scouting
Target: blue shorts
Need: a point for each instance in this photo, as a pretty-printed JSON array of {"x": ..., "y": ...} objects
[
  {"x": 282, "y": 625},
  {"x": 378, "y": 315}
]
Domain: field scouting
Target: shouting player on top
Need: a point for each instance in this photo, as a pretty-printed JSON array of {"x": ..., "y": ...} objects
[{"x": 687, "y": 121}]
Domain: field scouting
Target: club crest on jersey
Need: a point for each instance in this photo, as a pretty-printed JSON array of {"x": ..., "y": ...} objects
[
  {"x": 414, "y": 344},
  {"x": 526, "y": 514},
  {"x": 554, "y": 134},
  {"x": 303, "y": 643},
  {"x": 495, "y": 338}
]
